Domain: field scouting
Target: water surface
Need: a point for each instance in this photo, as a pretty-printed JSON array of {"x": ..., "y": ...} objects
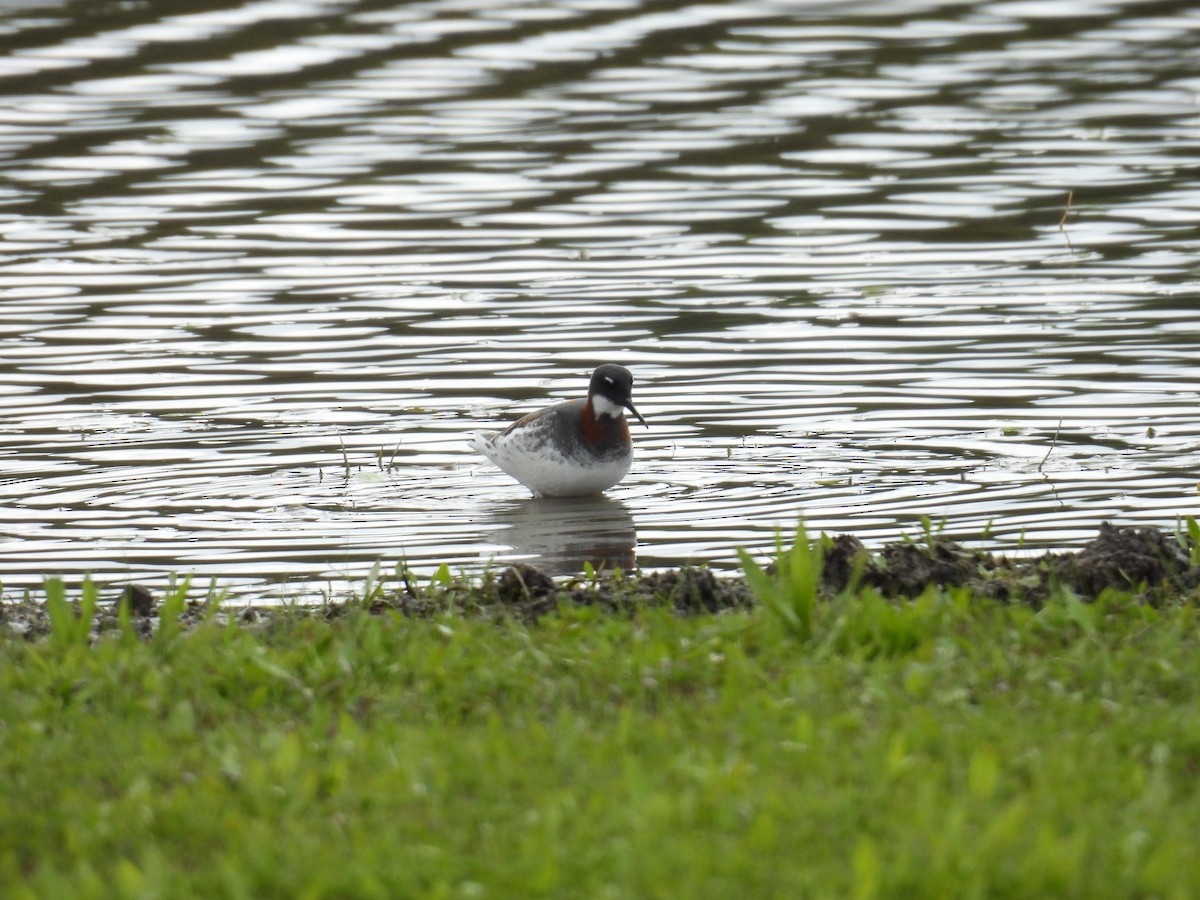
[{"x": 263, "y": 266}]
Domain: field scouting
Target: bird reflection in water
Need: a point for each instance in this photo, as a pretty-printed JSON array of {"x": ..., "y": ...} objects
[{"x": 559, "y": 535}]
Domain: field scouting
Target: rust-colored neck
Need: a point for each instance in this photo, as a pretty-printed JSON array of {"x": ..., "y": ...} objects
[{"x": 602, "y": 431}]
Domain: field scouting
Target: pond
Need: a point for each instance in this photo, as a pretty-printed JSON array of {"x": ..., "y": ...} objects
[{"x": 889, "y": 266}]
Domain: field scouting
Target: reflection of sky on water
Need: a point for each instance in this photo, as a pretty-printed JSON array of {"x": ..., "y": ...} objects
[{"x": 264, "y": 267}]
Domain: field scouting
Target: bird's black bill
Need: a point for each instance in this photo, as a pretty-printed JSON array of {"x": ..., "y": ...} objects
[{"x": 629, "y": 406}]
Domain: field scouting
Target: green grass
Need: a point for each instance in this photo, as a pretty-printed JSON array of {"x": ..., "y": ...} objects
[
  {"x": 947, "y": 747},
  {"x": 791, "y": 592}
]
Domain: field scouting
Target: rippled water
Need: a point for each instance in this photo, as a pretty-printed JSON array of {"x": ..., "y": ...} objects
[{"x": 263, "y": 267}]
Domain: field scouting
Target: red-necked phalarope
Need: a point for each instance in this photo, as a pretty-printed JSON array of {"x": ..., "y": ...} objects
[{"x": 572, "y": 449}]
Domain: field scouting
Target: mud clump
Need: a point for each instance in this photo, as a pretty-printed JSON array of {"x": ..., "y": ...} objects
[
  {"x": 1125, "y": 559},
  {"x": 139, "y": 599},
  {"x": 1119, "y": 558},
  {"x": 694, "y": 590},
  {"x": 530, "y": 593},
  {"x": 844, "y": 561},
  {"x": 904, "y": 569},
  {"x": 524, "y": 583},
  {"x": 527, "y": 589}
]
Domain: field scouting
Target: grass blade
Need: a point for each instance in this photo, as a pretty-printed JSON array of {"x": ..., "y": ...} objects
[
  {"x": 791, "y": 593},
  {"x": 62, "y": 617}
]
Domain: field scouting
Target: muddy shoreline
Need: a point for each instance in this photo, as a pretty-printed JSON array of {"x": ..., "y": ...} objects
[{"x": 1151, "y": 565}]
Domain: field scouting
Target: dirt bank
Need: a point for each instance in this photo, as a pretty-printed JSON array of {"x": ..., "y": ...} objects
[{"x": 1145, "y": 561}]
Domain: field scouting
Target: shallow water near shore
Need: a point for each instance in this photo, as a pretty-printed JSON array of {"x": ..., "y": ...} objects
[{"x": 264, "y": 267}]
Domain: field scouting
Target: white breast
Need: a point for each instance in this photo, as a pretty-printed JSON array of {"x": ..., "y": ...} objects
[{"x": 535, "y": 464}]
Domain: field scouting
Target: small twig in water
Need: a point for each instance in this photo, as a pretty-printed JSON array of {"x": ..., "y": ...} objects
[
  {"x": 1063, "y": 221},
  {"x": 1053, "y": 441},
  {"x": 1067, "y": 211},
  {"x": 345, "y": 456}
]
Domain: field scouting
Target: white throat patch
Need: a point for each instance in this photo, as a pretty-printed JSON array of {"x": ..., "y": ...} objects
[{"x": 605, "y": 407}]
